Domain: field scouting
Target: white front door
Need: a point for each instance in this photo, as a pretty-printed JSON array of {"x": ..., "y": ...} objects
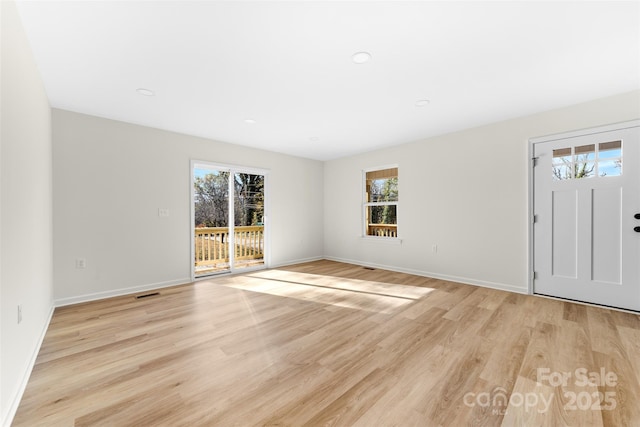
[{"x": 587, "y": 216}]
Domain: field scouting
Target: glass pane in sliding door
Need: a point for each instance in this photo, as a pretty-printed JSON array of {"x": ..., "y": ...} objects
[
  {"x": 211, "y": 221},
  {"x": 248, "y": 237}
]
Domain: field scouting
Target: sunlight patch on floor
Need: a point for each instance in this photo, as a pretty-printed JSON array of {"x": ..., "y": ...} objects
[{"x": 357, "y": 294}]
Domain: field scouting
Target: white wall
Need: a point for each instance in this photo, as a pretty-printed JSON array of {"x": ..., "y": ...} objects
[
  {"x": 111, "y": 177},
  {"x": 466, "y": 192},
  {"x": 25, "y": 210}
]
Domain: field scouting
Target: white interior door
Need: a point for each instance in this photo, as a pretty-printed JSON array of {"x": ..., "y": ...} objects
[{"x": 587, "y": 216}]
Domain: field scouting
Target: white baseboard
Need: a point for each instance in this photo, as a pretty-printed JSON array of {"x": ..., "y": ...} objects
[
  {"x": 15, "y": 402},
  {"x": 457, "y": 279},
  {"x": 61, "y": 302},
  {"x": 119, "y": 292}
]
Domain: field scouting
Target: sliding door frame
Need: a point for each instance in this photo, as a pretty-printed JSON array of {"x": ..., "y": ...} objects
[{"x": 232, "y": 169}]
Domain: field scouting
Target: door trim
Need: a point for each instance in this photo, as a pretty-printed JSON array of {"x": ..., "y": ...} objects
[
  {"x": 531, "y": 198},
  {"x": 266, "y": 216}
]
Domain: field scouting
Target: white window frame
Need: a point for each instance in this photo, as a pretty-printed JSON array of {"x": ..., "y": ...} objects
[{"x": 366, "y": 204}]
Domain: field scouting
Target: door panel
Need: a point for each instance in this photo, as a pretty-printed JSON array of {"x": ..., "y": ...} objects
[
  {"x": 586, "y": 193},
  {"x": 565, "y": 240},
  {"x": 607, "y": 235}
]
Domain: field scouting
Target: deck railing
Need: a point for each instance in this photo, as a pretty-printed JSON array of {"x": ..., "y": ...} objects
[
  {"x": 383, "y": 230},
  {"x": 212, "y": 244}
]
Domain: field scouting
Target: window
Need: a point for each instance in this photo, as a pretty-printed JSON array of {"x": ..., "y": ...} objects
[
  {"x": 588, "y": 161},
  {"x": 381, "y": 202}
]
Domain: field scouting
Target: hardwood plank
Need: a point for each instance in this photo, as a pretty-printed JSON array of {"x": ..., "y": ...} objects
[
  {"x": 624, "y": 392},
  {"x": 333, "y": 344},
  {"x": 355, "y": 402}
]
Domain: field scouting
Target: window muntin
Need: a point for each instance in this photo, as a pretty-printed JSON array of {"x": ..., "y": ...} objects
[
  {"x": 381, "y": 202},
  {"x": 588, "y": 161}
]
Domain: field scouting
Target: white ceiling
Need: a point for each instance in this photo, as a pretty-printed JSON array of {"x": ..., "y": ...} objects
[{"x": 287, "y": 65}]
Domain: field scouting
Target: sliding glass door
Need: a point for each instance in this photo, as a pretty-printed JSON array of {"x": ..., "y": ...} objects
[{"x": 228, "y": 206}]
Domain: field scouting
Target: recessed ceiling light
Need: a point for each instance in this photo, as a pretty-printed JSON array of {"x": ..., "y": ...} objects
[
  {"x": 145, "y": 92},
  {"x": 250, "y": 121},
  {"x": 361, "y": 57},
  {"x": 314, "y": 139},
  {"x": 422, "y": 103}
]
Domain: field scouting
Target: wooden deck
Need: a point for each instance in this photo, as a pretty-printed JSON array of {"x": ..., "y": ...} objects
[
  {"x": 326, "y": 343},
  {"x": 212, "y": 248}
]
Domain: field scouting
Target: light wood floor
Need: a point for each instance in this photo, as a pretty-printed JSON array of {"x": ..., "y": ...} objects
[{"x": 325, "y": 343}]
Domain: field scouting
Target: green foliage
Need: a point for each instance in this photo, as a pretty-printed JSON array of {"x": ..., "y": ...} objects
[{"x": 383, "y": 190}]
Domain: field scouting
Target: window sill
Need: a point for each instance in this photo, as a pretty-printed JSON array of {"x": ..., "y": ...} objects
[{"x": 386, "y": 240}]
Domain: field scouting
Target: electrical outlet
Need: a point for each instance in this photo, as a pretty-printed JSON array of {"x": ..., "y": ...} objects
[
  {"x": 434, "y": 248},
  {"x": 81, "y": 263},
  {"x": 163, "y": 212},
  {"x": 19, "y": 313}
]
